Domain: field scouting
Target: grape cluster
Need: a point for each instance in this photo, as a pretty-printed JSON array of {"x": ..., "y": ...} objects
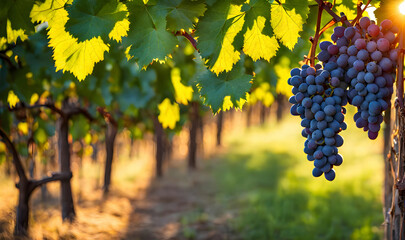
[
  {"x": 319, "y": 102},
  {"x": 366, "y": 56}
]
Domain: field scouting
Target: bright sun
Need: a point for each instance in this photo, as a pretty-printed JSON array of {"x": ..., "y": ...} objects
[{"x": 402, "y": 8}]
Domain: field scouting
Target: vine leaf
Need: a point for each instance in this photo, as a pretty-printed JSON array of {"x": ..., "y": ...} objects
[
  {"x": 259, "y": 41},
  {"x": 218, "y": 90},
  {"x": 216, "y": 32},
  {"x": 287, "y": 20},
  {"x": 93, "y": 18},
  {"x": 183, "y": 94},
  {"x": 12, "y": 99},
  {"x": 69, "y": 54},
  {"x": 182, "y": 14},
  {"x": 14, "y": 20},
  {"x": 148, "y": 39},
  {"x": 282, "y": 70},
  {"x": 169, "y": 114}
]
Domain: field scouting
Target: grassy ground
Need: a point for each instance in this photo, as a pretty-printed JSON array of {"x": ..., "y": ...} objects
[{"x": 266, "y": 179}]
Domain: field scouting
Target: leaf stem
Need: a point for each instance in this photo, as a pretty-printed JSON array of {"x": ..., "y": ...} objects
[{"x": 189, "y": 38}]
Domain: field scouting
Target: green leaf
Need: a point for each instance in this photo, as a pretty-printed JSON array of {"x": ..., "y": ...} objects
[
  {"x": 182, "y": 14},
  {"x": 93, "y": 18},
  {"x": 232, "y": 85},
  {"x": 43, "y": 132},
  {"x": 137, "y": 95},
  {"x": 19, "y": 15},
  {"x": 259, "y": 41},
  {"x": 147, "y": 37},
  {"x": 287, "y": 20},
  {"x": 79, "y": 128},
  {"x": 216, "y": 32},
  {"x": 15, "y": 19}
]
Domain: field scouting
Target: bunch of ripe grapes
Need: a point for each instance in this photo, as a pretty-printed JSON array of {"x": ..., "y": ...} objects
[{"x": 357, "y": 68}]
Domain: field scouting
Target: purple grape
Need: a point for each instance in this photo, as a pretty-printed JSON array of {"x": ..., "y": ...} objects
[
  {"x": 371, "y": 46},
  {"x": 374, "y": 127},
  {"x": 335, "y": 82},
  {"x": 358, "y": 65},
  {"x": 342, "y": 60},
  {"x": 324, "y": 45},
  {"x": 339, "y": 31},
  {"x": 385, "y": 64},
  {"x": 363, "y": 55},
  {"x": 386, "y": 24},
  {"x": 360, "y": 43},
  {"x": 364, "y": 22},
  {"x": 383, "y": 45},
  {"x": 376, "y": 56},
  {"x": 390, "y": 36},
  {"x": 333, "y": 49},
  {"x": 372, "y": 88},
  {"x": 349, "y": 32},
  {"x": 323, "y": 56},
  {"x": 372, "y": 135},
  {"x": 356, "y": 36},
  {"x": 311, "y": 71},
  {"x": 372, "y": 67},
  {"x": 369, "y": 77},
  {"x": 334, "y": 37},
  {"x": 352, "y": 50},
  {"x": 342, "y": 42},
  {"x": 351, "y": 60},
  {"x": 343, "y": 50},
  {"x": 330, "y": 175},
  {"x": 373, "y": 30},
  {"x": 394, "y": 55}
]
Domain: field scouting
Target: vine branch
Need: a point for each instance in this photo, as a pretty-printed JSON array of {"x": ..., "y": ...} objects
[
  {"x": 107, "y": 116},
  {"x": 16, "y": 157},
  {"x": 400, "y": 71}
]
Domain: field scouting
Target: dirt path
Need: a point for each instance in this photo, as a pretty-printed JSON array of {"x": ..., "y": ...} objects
[{"x": 182, "y": 205}]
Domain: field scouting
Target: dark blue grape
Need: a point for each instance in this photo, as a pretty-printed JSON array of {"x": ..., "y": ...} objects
[
  {"x": 295, "y": 72},
  {"x": 316, "y": 172},
  {"x": 324, "y": 45},
  {"x": 369, "y": 77},
  {"x": 330, "y": 176},
  {"x": 323, "y": 56},
  {"x": 363, "y": 55},
  {"x": 349, "y": 32}
]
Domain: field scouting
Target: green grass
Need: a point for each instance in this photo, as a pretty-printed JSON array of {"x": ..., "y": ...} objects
[{"x": 265, "y": 176}]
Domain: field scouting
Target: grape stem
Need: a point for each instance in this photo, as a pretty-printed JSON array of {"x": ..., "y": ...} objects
[
  {"x": 315, "y": 40},
  {"x": 189, "y": 38},
  {"x": 318, "y": 32},
  {"x": 360, "y": 11},
  {"x": 328, "y": 7}
]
